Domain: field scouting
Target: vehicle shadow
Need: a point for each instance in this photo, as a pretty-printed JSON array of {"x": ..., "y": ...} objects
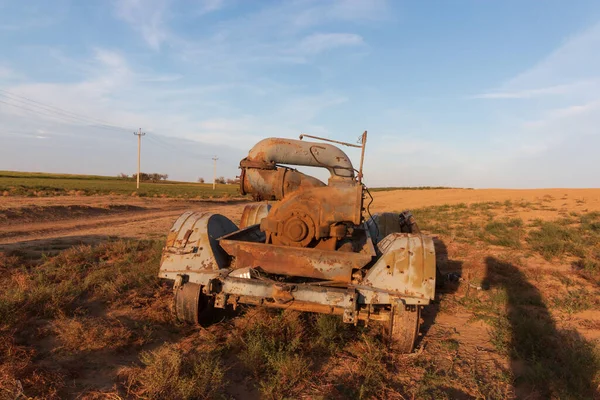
[
  {"x": 546, "y": 362},
  {"x": 32, "y": 250},
  {"x": 448, "y": 273}
]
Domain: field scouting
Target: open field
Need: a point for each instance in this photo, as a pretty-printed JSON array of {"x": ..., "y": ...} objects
[
  {"x": 44, "y": 184},
  {"x": 82, "y": 314}
]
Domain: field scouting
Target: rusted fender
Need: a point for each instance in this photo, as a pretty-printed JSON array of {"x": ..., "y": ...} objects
[
  {"x": 253, "y": 214},
  {"x": 299, "y": 152},
  {"x": 406, "y": 268},
  {"x": 192, "y": 244}
]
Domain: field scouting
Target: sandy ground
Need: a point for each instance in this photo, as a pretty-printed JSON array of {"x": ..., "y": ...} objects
[
  {"x": 52, "y": 223},
  {"x": 573, "y": 199}
]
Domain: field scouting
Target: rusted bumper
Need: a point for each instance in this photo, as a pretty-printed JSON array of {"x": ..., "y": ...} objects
[{"x": 353, "y": 302}]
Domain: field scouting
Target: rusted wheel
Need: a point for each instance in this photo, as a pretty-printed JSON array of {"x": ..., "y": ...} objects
[
  {"x": 193, "y": 306},
  {"x": 404, "y": 327}
]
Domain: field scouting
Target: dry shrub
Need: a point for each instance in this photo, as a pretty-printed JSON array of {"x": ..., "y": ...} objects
[
  {"x": 20, "y": 280},
  {"x": 84, "y": 334},
  {"x": 14, "y": 362},
  {"x": 19, "y": 378},
  {"x": 170, "y": 372}
]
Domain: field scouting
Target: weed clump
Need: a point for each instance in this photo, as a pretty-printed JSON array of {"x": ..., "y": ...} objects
[
  {"x": 507, "y": 234},
  {"x": 372, "y": 369},
  {"x": 274, "y": 349},
  {"x": 331, "y": 333},
  {"x": 553, "y": 239},
  {"x": 84, "y": 334},
  {"x": 576, "y": 300},
  {"x": 172, "y": 373}
]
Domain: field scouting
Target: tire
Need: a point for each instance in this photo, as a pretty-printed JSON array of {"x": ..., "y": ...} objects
[
  {"x": 193, "y": 306},
  {"x": 404, "y": 328}
]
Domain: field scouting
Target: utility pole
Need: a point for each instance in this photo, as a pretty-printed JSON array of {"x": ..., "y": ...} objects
[
  {"x": 139, "y": 134},
  {"x": 215, "y": 172}
]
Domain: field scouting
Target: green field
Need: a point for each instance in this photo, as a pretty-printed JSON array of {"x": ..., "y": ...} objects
[{"x": 38, "y": 184}]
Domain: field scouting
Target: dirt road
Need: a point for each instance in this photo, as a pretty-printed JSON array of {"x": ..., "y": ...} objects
[
  {"x": 48, "y": 224},
  {"x": 52, "y": 224}
]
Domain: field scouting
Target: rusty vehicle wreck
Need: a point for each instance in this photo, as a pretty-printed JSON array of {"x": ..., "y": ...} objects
[{"x": 313, "y": 247}]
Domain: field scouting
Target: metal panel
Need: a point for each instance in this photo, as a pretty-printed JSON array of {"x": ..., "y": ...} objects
[
  {"x": 192, "y": 244},
  {"x": 406, "y": 267},
  {"x": 296, "y": 261}
]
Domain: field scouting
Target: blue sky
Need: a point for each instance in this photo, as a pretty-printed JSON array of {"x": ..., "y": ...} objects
[{"x": 452, "y": 93}]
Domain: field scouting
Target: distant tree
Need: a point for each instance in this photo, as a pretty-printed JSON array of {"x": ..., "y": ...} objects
[
  {"x": 220, "y": 179},
  {"x": 143, "y": 176},
  {"x": 153, "y": 177},
  {"x": 200, "y": 180},
  {"x": 233, "y": 181},
  {"x": 123, "y": 176}
]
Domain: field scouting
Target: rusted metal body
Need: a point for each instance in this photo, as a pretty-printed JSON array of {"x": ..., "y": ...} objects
[
  {"x": 268, "y": 153},
  {"x": 310, "y": 213},
  {"x": 295, "y": 261},
  {"x": 253, "y": 214},
  {"x": 311, "y": 251}
]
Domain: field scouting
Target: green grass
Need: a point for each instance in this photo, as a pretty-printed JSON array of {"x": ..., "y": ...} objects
[
  {"x": 504, "y": 233},
  {"x": 575, "y": 237},
  {"x": 45, "y": 184}
]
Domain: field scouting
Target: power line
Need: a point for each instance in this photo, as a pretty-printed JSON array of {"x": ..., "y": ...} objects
[
  {"x": 42, "y": 109},
  {"x": 60, "y": 111},
  {"x": 33, "y": 110},
  {"x": 58, "y": 117}
]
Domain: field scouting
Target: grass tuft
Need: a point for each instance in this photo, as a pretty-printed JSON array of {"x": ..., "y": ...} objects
[
  {"x": 272, "y": 351},
  {"x": 507, "y": 234},
  {"x": 169, "y": 372}
]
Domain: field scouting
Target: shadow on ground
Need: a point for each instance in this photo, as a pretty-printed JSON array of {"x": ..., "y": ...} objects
[
  {"x": 447, "y": 282},
  {"x": 546, "y": 362},
  {"x": 35, "y": 249}
]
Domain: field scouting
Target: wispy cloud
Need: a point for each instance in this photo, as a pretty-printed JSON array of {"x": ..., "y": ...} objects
[
  {"x": 539, "y": 92},
  {"x": 147, "y": 17},
  {"x": 572, "y": 67},
  {"x": 150, "y": 18},
  {"x": 7, "y": 73},
  {"x": 208, "y": 6},
  {"x": 320, "y": 42},
  {"x": 576, "y": 59},
  {"x": 560, "y": 93},
  {"x": 313, "y": 13},
  {"x": 289, "y": 32}
]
